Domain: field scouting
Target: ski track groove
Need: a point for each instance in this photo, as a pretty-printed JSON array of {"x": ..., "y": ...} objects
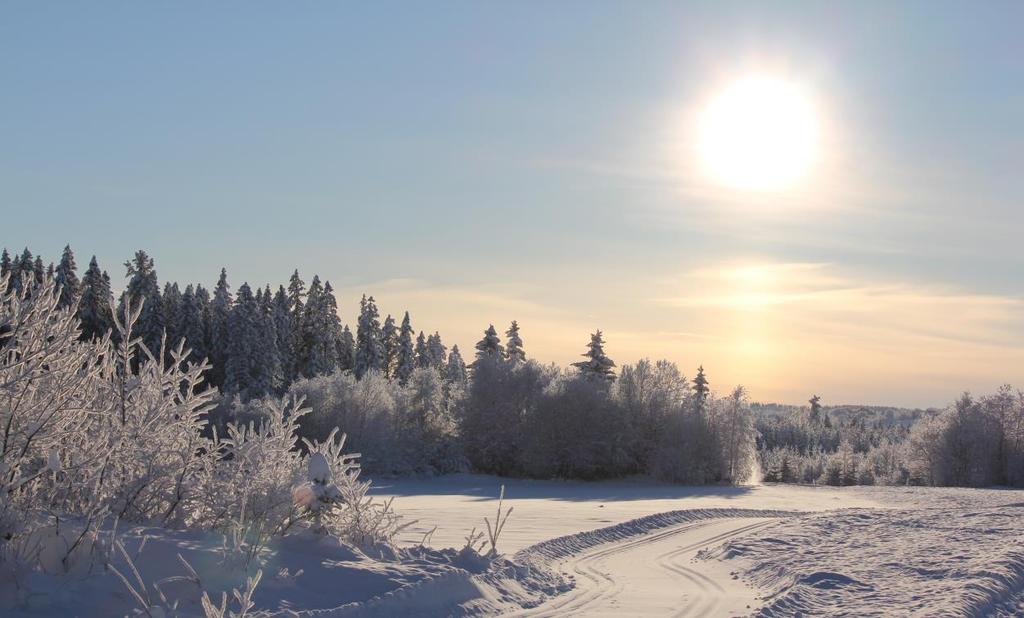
[{"x": 600, "y": 586}]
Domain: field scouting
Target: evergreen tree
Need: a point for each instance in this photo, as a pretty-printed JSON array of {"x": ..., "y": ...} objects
[
  {"x": 437, "y": 351},
  {"x": 815, "y": 415},
  {"x": 66, "y": 277},
  {"x": 597, "y": 365},
  {"x": 455, "y": 371},
  {"x": 220, "y": 311},
  {"x": 172, "y": 301},
  {"x": 701, "y": 389},
  {"x": 346, "y": 350},
  {"x": 369, "y": 347},
  {"x": 490, "y": 345},
  {"x": 38, "y": 270},
  {"x": 422, "y": 353},
  {"x": 270, "y": 341},
  {"x": 203, "y": 303},
  {"x": 24, "y": 272},
  {"x": 191, "y": 326},
  {"x": 297, "y": 298},
  {"x": 94, "y": 307},
  {"x": 389, "y": 337},
  {"x": 406, "y": 361},
  {"x": 5, "y": 264},
  {"x": 143, "y": 286},
  {"x": 283, "y": 330},
  {"x": 251, "y": 354},
  {"x": 514, "y": 350}
]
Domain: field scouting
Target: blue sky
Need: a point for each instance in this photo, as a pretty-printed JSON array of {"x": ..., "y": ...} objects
[{"x": 479, "y": 162}]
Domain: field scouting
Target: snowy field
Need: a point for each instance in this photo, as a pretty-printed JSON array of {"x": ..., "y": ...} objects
[{"x": 777, "y": 550}]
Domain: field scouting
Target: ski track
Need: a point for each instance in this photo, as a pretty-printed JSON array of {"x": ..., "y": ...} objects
[{"x": 684, "y": 591}]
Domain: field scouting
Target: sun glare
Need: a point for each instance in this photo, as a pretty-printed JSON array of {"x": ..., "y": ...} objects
[{"x": 759, "y": 134}]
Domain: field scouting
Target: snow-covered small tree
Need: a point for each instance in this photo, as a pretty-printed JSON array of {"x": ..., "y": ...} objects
[
  {"x": 423, "y": 360},
  {"x": 369, "y": 347},
  {"x": 455, "y": 369},
  {"x": 66, "y": 278},
  {"x": 389, "y": 339},
  {"x": 94, "y": 308},
  {"x": 490, "y": 346},
  {"x": 346, "y": 350},
  {"x": 406, "y": 357},
  {"x": 597, "y": 365},
  {"x": 514, "y": 344}
]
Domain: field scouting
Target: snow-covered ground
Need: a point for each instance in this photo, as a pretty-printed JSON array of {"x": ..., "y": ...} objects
[
  {"x": 777, "y": 550},
  {"x": 610, "y": 548},
  {"x": 547, "y": 509}
]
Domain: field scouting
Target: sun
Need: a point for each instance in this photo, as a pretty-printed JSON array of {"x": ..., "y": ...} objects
[{"x": 759, "y": 134}]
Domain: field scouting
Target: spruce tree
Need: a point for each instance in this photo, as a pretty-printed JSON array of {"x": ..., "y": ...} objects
[
  {"x": 422, "y": 353},
  {"x": 701, "y": 389},
  {"x": 203, "y": 303},
  {"x": 389, "y": 338},
  {"x": 346, "y": 350},
  {"x": 438, "y": 352},
  {"x": 406, "y": 361},
  {"x": 172, "y": 301},
  {"x": 296, "y": 300},
  {"x": 597, "y": 365},
  {"x": 283, "y": 330},
  {"x": 220, "y": 310},
  {"x": 24, "y": 272},
  {"x": 514, "y": 350},
  {"x": 369, "y": 348},
  {"x": 66, "y": 277},
  {"x": 455, "y": 371},
  {"x": 490, "y": 345},
  {"x": 191, "y": 326},
  {"x": 5, "y": 263},
  {"x": 143, "y": 286},
  {"x": 242, "y": 338},
  {"x": 94, "y": 311},
  {"x": 38, "y": 270}
]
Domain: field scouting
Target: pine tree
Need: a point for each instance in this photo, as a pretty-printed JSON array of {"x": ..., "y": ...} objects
[
  {"x": 369, "y": 347},
  {"x": 274, "y": 367},
  {"x": 490, "y": 345},
  {"x": 597, "y": 365},
  {"x": 143, "y": 286},
  {"x": 406, "y": 361},
  {"x": 94, "y": 311},
  {"x": 220, "y": 311},
  {"x": 331, "y": 329},
  {"x": 701, "y": 389},
  {"x": 66, "y": 277},
  {"x": 203, "y": 303},
  {"x": 346, "y": 350},
  {"x": 514, "y": 350},
  {"x": 438, "y": 352},
  {"x": 455, "y": 371},
  {"x": 389, "y": 338},
  {"x": 422, "y": 353}
]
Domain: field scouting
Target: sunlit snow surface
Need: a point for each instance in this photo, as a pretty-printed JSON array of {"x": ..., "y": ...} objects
[{"x": 613, "y": 548}]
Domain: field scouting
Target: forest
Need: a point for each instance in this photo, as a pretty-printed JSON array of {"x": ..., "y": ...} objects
[{"x": 411, "y": 406}]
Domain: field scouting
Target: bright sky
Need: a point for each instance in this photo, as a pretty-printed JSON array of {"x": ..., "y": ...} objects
[{"x": 479, "y": 162}]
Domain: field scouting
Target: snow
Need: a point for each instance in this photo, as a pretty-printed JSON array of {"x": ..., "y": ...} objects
[
  {"x": 547, "y": 509},
  {"x": 629, "y": 547}
]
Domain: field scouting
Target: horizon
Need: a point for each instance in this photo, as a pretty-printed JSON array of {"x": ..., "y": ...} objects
[{"x": 484, "y": 165}]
